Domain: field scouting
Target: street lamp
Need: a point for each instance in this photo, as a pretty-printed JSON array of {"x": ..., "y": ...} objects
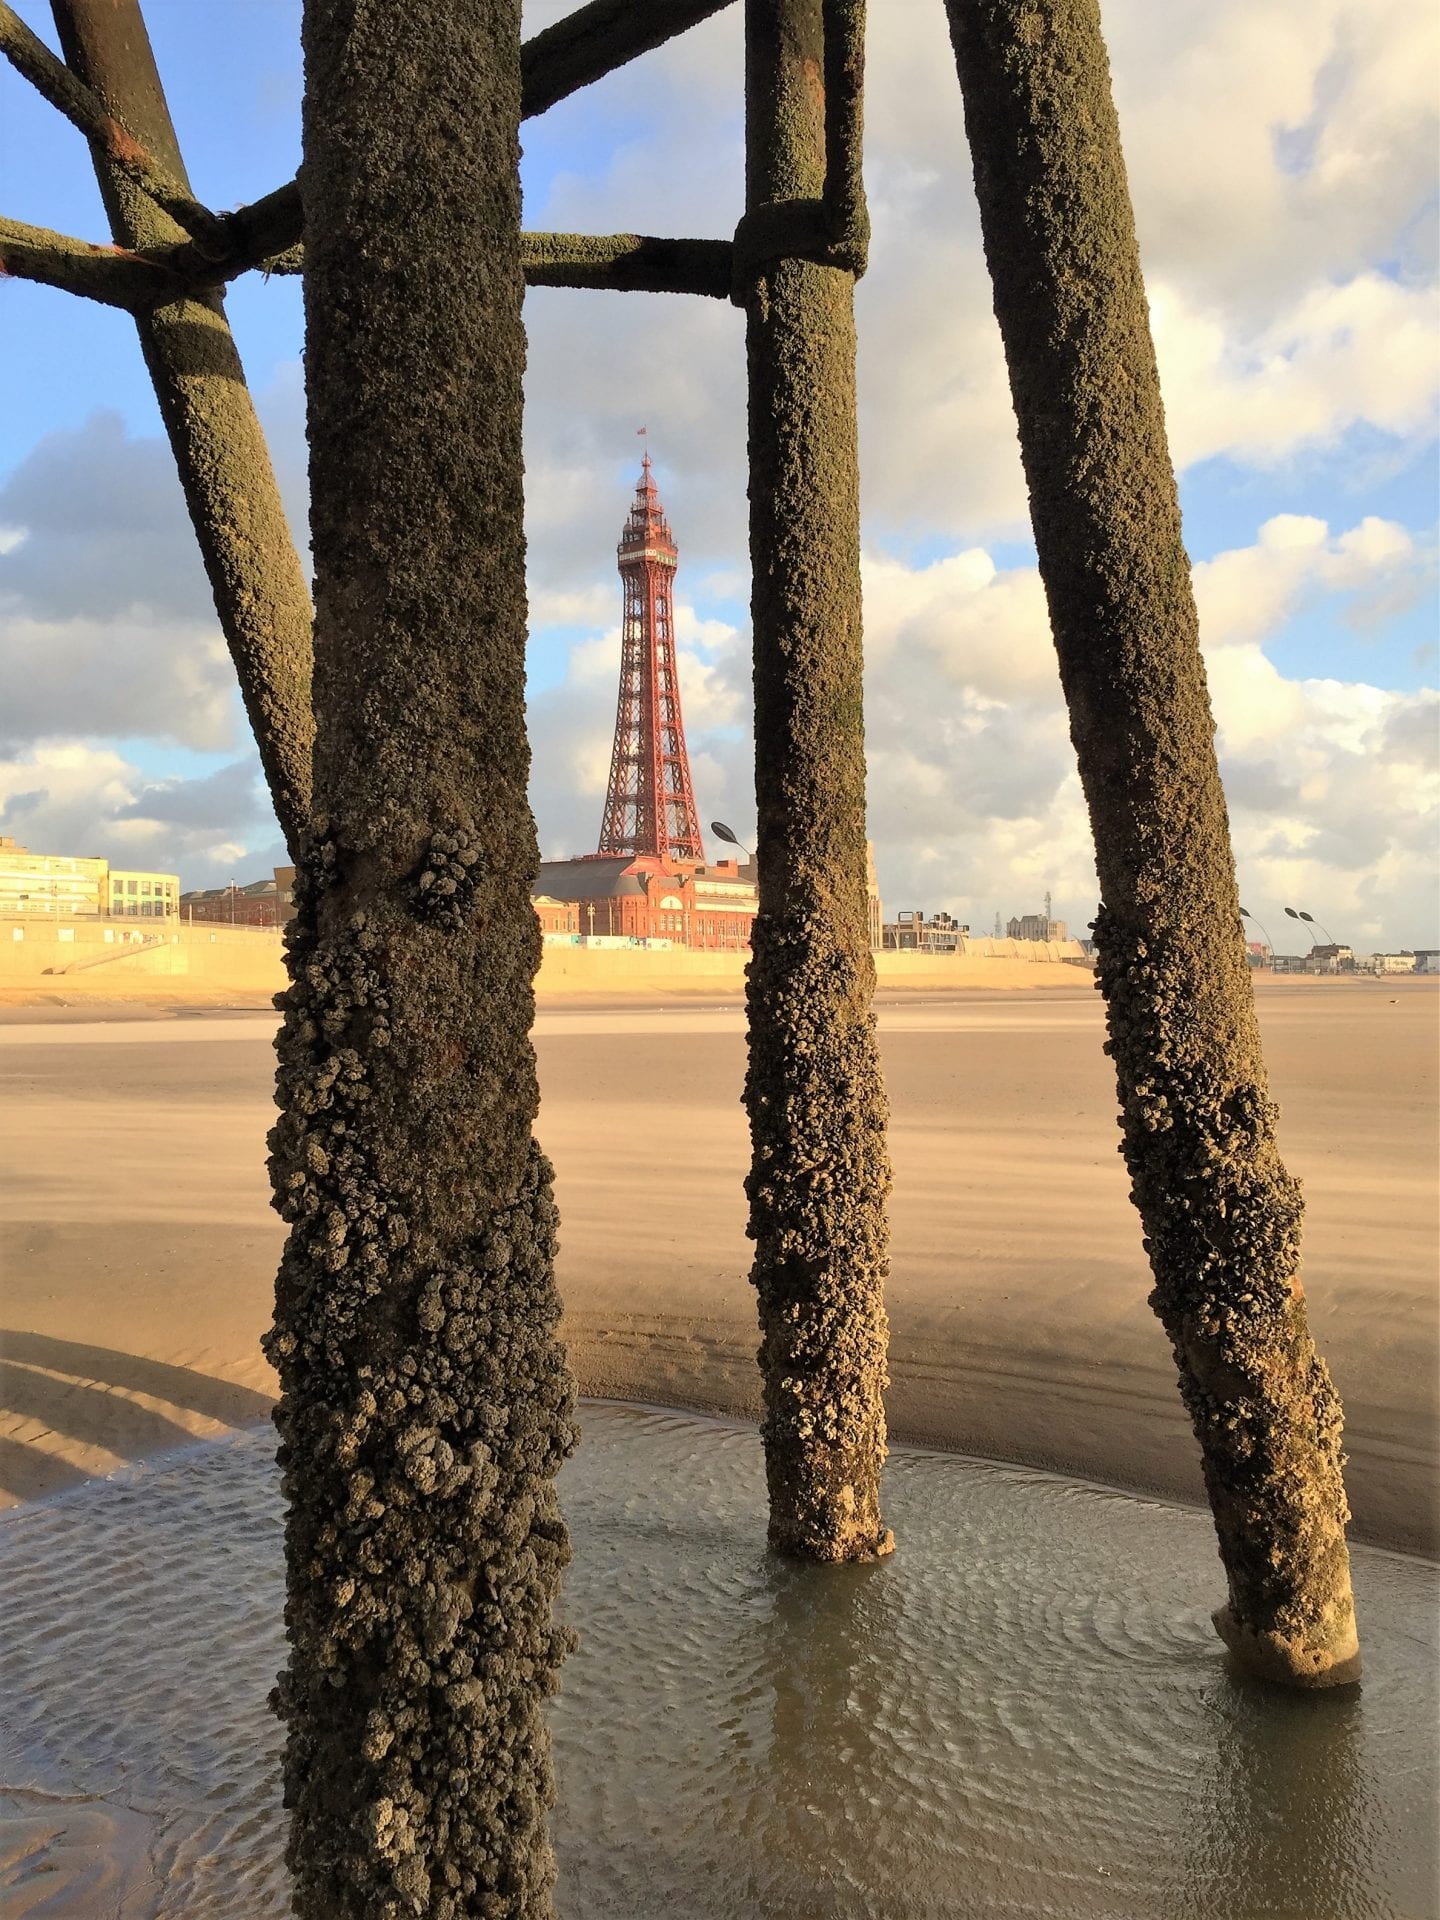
[
  {"x": 727, "y": 834},
  {"x": 1244, "y": 915},
  {"x": 1298, "y": 913}
]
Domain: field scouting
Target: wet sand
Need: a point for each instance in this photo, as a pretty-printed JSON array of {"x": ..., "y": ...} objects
[{"x": 140, "y": 1249}]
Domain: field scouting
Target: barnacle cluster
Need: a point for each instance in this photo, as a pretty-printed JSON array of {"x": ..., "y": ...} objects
[
  {"x": 445, "y": 886},
  {"x": 817, "y": 1192},
  {"x": 426, "y": 1408},
  {"x": 1221, "y": 1217}
]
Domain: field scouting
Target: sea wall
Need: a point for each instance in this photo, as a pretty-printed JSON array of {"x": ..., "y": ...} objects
[
  {"x": 986, "y": 963},
  {"x": 103, "y": 959},
  {"x": 626, "y": 970},
  {"x": 577, "y": 970}
]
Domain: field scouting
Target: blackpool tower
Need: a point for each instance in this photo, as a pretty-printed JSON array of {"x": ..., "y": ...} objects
[{"x": 650, "y": 804}]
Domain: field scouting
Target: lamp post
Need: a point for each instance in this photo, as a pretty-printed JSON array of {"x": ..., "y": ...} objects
[
  {"x": 1244, "y": 915},
  {"x": 1310, "y": 918},
  {"x": 1299, "y": 913},
  {"x": 722, "y": 832},
  {"x": 727, "y": 834}
]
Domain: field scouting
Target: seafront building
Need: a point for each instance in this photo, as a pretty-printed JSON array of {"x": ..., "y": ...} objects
[
  {"x": 79, "y": 886},
  {"x": 624, "y": 900},
  {"x": 1035, "y": 926},
  {"x": 648, "y": 883},
  {"x": 259, "y": 903},
  {"x": 1337, "y": 958},
  {"x": 1333, "y": 957},
  {"x": 911, "y": 932},
  {"x": 139, "y": 895}
]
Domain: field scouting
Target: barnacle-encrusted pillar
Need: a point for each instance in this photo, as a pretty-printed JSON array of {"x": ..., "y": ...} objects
[
  {"x": 426, "y": 1405},
  {"x": 820, "y": 1174},
  {"x": 1221, "y": 1214}
]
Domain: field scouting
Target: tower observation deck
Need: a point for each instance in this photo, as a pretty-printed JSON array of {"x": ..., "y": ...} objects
[{"x": 650, "y": 803}]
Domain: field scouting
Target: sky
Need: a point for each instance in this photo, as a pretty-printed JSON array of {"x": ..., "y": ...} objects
[{"x": 1282, "y": 160}]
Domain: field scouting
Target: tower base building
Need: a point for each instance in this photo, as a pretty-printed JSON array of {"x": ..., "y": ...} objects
[{"x": 643, "y": 900}]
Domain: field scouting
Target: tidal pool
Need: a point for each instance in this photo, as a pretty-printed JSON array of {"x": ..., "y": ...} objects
[{"x": 1024, "y": 1713}]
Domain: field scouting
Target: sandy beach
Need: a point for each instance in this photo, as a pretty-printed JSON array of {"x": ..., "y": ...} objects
[{"x": 140, "y": 1248}]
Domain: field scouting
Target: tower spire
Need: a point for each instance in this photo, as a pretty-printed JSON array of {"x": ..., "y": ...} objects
[{"x": 650, "y": 803}]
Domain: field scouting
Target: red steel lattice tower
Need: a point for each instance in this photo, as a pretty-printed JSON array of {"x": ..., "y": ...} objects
[{"x": 650, "y": 804}]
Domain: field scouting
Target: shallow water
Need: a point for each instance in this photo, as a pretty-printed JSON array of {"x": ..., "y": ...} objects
[{"x": 1025, "y": 1712}]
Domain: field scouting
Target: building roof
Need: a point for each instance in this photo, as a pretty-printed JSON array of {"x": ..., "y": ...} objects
[
  {"x": 255, "y": 890},
  {"x": 598, "y": 878},
  {"x": 608, "y": 876}
]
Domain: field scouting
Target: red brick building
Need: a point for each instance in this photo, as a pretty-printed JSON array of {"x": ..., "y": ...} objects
[
  {"x": 258, "y": 905},
  {"x": 708, "y": 907}
]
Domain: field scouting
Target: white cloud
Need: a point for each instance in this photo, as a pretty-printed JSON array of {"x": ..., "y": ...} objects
[
  {"x": 1280, "y": 154},
  {"x": 570, "y": 607},
  {"x": 1332, "y": 783},
  {"x": 130, "y": 675},
  {"x": 54, "y": 800},
  {"x": 1378, "y": 566},
  {"x": 103, "y": 526},
  {"x": 975, "y": 803},
  {"x": 107, "y": 627},
  {"x": 1340, "y": 356},
  {"x": 80, "y": 799},
  {"x": 1275, "y": 143},
  {"x": 983, "y": 629},
  {"x": 1352, "y": 834}
]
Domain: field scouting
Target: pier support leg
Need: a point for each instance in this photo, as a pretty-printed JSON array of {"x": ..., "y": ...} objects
[
  {"x": 820, "y": 1173},
  {"x": 425, "y": 1403},
  {"x": 1221, "y": 1215}
]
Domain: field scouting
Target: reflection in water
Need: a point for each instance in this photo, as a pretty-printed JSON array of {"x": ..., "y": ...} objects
[
  {"x": 1287, "y": 1821},
  {"x": 807, "y": 1805},
  {"x": 1023, "y": 1713}
]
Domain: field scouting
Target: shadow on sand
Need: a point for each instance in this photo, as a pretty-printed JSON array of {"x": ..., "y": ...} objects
[{"x": 66, "y": 1390}]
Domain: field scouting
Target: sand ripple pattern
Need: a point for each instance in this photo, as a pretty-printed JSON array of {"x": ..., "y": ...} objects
[{"x": 1024, "y": 1713}]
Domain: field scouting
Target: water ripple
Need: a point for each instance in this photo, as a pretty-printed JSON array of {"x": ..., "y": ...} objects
[{"x": 1025, "y": 1712}]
